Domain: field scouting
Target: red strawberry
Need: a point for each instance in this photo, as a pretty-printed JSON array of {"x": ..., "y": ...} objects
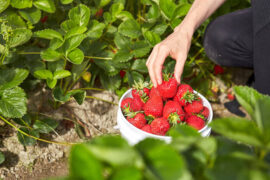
[
  {"x": 154, "y": 92},
  {"x": 146, "y": 91},
  {"x": 44, "y": 19},
  {"x": 230, "y": 96},
  {"x": 184, "y": 94},
  {"x": 173, "y": 112},
  {"x": 99, "y": 13},
  {"x": 139, "y": 89},
  {"x": 138, "y": 121},
  {"x": 147, "y": 128},
  {"x": 122, "y": 73},
  {"x": 136, "y": 104},
  {"x": 196, "y": 122},
  {"x": 160, "y": 126},
  {"x": 194, "y": 107},
  {"x": 126, "y": 102},
  {"x": 218, "y": 70},
  {"x": 168, "y": 88},
  {"x": 154, "y": 106},
  {"x": 205, "y": 112}
]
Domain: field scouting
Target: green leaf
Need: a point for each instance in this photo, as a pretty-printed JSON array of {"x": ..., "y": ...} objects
[
  {"x": 51, "y": 83},
  {"x": 21, "y": 4},
  {"x": 68, "y": 25},
  {"x": 78, "y": 95},
  {"x": 83, "y": 164},
  {"x": 160, "y": 29},
  {"x": 32, "y": 15},
  {"x": 56, "y": 65},
  {"x": 13, "y": 19},
  {"x": 59, "y": 95},
  {"x": 24, "y": 121},
  {"x": 153, "y": 14},
  {"x": 13, "y": 102},
  {"x": 262, "y": 115},
  {"x": 66, "y": 1},
  {"x": 26, "y": 140},
  {"x": 9, "y": 78},
  {"x": 101, "y": 3},
  {"x": 4, "y": 4},
  {"x": 124, "y": 15},
  {"x": 115, "y": 151},
  {"x": 2, "y": 157},
  {"x": 116, "y": 9},
  {"x": 50, "y": 55},
  {"x": 121, "y": 41},
  {"x": 80, "y": 15},
  {"x": 95, "y": 29},
  {"x": 55, "y": 44},
  {"x": 45, "y": 125},
  {"x": 43, "y": 74},
  {"x": 238, "y": 129},
  {"x": 77, "y": 70},
  {"x": 73, "y": 42},
  {"x": 75, "y": 31},
  {"x": 130, "y": 28},
  {"x": 110, "y": 83},
  {"x": 48, "y": 34},
  {"x": 247, "y": 97},
  {"x": 122, "y": 55},
  {"x": 152, "y": 38},
  {"x": 125, "y": 173},
  {"x": 19, "y": 37},
  {"x": 60, "y": 74},
  {"x": 139, "y": 65},
  {"x": 140, "y": 49},
  {"x": 181, "y": 10},
  {"x": 45, "y": 5},
  {"x": 76, "y": 56},
  {"x": 168, "y": 8},
  {"x": 107, "y": 17},
  {"x": 165, "y": 162},
  {"x": 134, "y": 76}
]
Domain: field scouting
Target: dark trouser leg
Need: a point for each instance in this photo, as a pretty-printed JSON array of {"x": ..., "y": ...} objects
[{"x": 228, "y": 40}]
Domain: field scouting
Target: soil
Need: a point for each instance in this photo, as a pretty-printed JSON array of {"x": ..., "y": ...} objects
[{"x": 51, "y": 160}]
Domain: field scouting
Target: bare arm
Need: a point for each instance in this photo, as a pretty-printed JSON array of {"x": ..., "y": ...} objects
[{"x": 178, "y": 43}]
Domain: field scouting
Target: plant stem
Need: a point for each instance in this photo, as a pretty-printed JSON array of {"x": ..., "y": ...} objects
[
  {"x": 43, "y": 140},
  {"x": 89, "y": 88},
  {"x": 95, "y": 57},
  {"x": 262, "y": 154},
  {"x": 197, "y": 54},
  {"x": 92, "y": 97},
  {"x": 28, "y": 52}
]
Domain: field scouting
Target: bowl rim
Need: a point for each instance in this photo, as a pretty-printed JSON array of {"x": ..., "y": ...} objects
[{"x": 128, "y": 94}]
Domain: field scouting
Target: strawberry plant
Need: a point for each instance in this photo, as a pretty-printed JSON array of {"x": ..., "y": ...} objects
[{"x": 240, "y": 150}]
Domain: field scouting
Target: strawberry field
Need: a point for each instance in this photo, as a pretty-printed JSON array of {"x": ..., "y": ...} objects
[{"x": 64, "y": 66}]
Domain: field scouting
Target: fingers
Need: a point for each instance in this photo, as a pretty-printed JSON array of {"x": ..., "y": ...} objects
[
  {"x": 155, "y": 62},
  {"x": 179, "y": 66}
]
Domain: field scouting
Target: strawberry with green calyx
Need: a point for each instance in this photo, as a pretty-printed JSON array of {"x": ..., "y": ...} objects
[
  {"x": 160, "y": 126},
  {"x": 195, "y": 122},
  {"x": 147, "y": 128},
  {"x": 154, "y": 107},
  {"x": 184, "y": 94},
  {"x": 173, "y": 112},
  {"x": 141, "y": 89},
  {"x": 138, "y": 120},
  {"x": 194, "y": 108},
  {"x": 126, "y": 102},
  {"x": 168, "y": 88},
  {"x": 205, "y": 112}
]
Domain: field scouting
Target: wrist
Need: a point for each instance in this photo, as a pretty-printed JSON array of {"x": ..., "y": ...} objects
[{"x": 185, "y": 28}]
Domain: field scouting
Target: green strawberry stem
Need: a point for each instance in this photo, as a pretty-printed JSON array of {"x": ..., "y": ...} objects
[{"x": 174, "y": 118}]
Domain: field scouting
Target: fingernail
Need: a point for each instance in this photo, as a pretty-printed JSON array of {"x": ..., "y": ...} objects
[{"x": 159, "y": 82}]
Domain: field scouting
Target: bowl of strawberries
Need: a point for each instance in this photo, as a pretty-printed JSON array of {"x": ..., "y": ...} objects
[{"x": 148, "y": 112}]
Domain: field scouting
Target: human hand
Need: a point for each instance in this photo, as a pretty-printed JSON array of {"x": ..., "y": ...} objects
[{"x": 175, "y": 45}]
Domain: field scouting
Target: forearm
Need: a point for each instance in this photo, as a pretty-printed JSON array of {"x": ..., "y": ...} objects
[{"x": 198, "y": 13}]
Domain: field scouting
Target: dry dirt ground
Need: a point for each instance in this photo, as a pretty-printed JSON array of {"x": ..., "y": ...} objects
[{"x": 49, "y": 160}]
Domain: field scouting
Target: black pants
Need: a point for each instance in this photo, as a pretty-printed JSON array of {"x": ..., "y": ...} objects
[{"x": 230, "y": 41}]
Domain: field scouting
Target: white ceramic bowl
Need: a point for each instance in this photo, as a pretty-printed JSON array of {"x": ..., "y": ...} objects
[{"x": 134, "y": 135}]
